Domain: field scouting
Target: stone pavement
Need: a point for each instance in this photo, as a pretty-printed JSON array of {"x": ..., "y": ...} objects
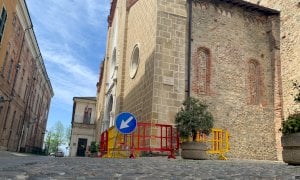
[{"x": 39, "y": 167}]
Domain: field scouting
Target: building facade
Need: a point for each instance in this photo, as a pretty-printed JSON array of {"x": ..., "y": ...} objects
[
  {"x": 83, "y": 125},
  {"x": 229, "y": 54},
  {"x": 25, "y": 87}
]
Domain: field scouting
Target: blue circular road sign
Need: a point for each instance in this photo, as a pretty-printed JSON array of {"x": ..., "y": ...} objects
[{"x": 126, "y": 123}]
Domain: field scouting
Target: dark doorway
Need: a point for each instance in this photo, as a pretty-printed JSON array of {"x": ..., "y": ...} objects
[{"x": 81, "y": 147}]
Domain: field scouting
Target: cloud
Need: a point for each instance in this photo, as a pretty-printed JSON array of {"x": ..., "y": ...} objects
[{"x": 71, "y": 36}]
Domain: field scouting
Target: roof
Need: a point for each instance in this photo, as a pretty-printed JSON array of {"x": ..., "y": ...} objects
[
  {"x": 85, "y": 98},
  {"x": 248, "y": 5}
]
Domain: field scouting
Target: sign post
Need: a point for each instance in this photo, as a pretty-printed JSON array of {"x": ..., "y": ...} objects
[{"x": 126, "y": 123}]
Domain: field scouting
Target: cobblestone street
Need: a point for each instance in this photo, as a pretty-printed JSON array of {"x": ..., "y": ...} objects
[{"x": 19, "y": 166}]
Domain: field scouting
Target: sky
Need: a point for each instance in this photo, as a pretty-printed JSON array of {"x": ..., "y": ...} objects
[{"x": 72, "y": 36}]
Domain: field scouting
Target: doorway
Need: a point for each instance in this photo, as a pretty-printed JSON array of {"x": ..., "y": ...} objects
[{"x": 81, "y": 147}]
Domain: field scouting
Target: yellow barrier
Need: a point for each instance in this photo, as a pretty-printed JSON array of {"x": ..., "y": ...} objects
[
  {"x": 218, "y": 142},
  {"x": 119, "y": 145},
  {"x": 116, "y": 145}
]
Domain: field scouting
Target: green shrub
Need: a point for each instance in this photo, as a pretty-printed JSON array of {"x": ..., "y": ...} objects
[
  {"x": 193, "y": 118},
  {"x": 291, "y": 125},
  {"x": 94, "y": 147}
]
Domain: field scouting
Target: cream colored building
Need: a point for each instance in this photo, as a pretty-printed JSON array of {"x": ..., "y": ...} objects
[
  {"x": 83, "y": 125},
  {"x": 239, "y": 57}
]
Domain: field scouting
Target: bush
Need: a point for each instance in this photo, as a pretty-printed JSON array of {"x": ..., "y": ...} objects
[
  {"x": 292, "y": 124},
  {"x": 94, "y": 147},
  {"x": 193, "y": 118}
]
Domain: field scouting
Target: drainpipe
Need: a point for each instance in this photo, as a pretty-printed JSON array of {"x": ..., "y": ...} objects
[{"x": 189, "y": 46}]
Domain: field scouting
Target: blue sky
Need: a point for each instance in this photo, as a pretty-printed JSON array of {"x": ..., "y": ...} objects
[{"x": 72, "y": 36}]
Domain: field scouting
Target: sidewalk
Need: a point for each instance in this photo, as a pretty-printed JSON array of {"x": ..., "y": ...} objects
[{"x": 13, "y": 154}]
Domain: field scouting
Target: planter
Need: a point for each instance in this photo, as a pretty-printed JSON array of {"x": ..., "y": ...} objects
[
  {"x": 194, "y": 150},
  {"x": 291, "y": 148},
  {"x": 93, "y": 154}
]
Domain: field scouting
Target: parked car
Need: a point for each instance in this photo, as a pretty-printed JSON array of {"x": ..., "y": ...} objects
[{"x": 59, "y": 154}]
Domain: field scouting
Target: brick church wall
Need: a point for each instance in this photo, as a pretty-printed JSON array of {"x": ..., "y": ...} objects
[
  {"x": 233, "y": 72},
  {"x": 289, "y": 55}
]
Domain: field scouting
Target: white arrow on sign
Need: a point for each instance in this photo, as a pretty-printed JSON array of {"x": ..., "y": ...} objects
[{"x": 124, "y": 124}]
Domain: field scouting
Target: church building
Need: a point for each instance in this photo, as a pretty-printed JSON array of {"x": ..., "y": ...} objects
[{"x": 237, "y": 56}]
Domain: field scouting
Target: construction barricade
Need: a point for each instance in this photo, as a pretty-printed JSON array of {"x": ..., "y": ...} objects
[
  {"x": 218, "y": 142},
  {"x": 146, "y": 138},
  {"x": 103, "y": 143},
  {"x": 156, "y": 138}
]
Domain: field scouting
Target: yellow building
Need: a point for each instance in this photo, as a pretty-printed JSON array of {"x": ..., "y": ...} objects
[{"x": 25, "y": 88}]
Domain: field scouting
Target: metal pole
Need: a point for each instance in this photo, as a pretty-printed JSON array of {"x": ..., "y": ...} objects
[{"x": 190, "y": 4}]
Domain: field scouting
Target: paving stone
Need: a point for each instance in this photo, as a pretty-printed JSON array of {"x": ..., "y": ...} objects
[{"x": 41, "y": 167}]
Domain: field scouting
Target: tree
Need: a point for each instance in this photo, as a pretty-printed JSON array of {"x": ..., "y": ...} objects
[
  {"x": 55, "y": 138},
  {"x": 68, "y": 135},
  {"x": 59, "y": 134}
]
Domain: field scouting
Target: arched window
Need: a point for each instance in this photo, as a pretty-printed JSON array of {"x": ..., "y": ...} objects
[
  {"x": 113, "y": 62},
  {"x": 254, "y": 82},
  {"x": 201, "y": 71}
]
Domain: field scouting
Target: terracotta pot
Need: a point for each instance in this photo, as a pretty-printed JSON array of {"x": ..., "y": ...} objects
[
  {"x": 194, "y": 150},
  {"x": 291, "y": 148}
]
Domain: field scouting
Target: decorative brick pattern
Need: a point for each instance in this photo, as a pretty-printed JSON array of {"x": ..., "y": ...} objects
[
  {"x": 201, "y": 69},
  {"x": 254, "y": 82},
  {"x": 241, "y": 91}
]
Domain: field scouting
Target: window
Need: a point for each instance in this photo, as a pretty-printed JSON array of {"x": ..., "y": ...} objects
[
  {"x": 2, "y": 22},
  {"x": 201, "y": 71},
  {"x": 87, "y": 115},
  {"x": 254, "y": 82},
  {"x": 113, "y": 63},
  {"x": 9, "y": 70},
  {"x": 135, "y": 60}
]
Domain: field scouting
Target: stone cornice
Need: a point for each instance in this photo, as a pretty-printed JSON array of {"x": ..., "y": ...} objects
[
  {"x": 25, "y": 20},
  {"x": 82, "y": 125},
  {"x": 130, "y": 3},
  {"x": 112, "y": 12}
]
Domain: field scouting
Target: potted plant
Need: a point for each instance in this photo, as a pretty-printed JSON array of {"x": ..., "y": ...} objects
[
  {"x": 94, "y": 148},
  {"x": 290, "y": 139},
  {"x": 193, "y": 118}
]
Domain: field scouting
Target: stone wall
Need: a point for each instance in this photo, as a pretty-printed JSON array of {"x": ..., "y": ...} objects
[
  {"x": 232, "y": 57},
  {"x": 140, "y": 32},
  {"x": 289, "y": 53},
  {"x": 170, "y": 60},
  {"x": 289, "y": 46},
  {"x": 83, "y": 132}
]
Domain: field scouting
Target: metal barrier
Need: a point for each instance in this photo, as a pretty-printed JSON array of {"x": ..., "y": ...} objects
[
  {"x": 156, "y": 138},
  {"x": 103, "y": 143},
  {"x": 146, "y": 138},
  {"x": 218, "y": 142}
]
